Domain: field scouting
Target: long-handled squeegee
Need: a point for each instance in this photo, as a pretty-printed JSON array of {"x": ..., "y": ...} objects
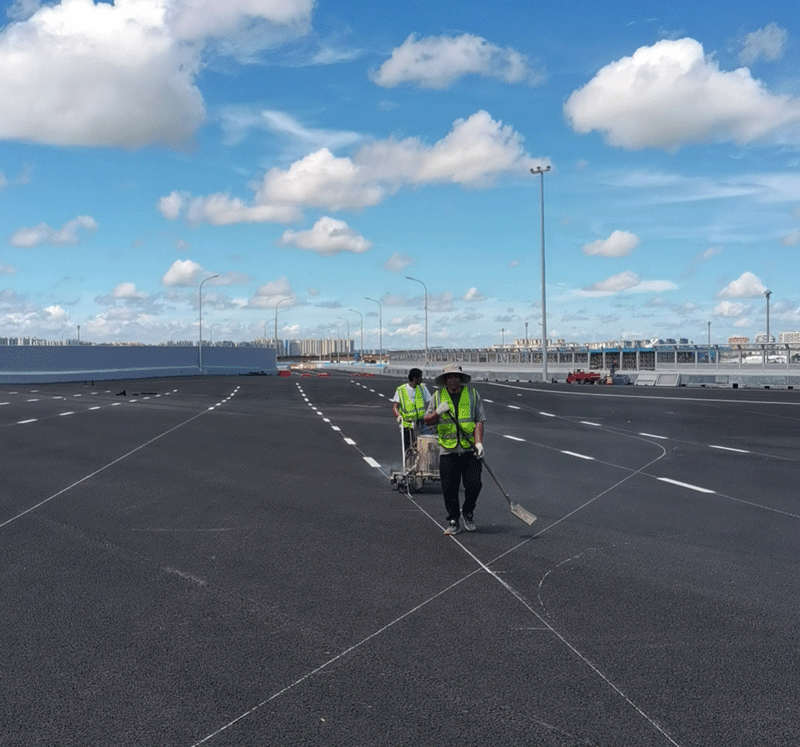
[{"x": 519, "y": 511}]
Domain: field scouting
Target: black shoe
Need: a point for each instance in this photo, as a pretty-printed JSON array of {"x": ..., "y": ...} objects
[{"x": 469, "y": 524}]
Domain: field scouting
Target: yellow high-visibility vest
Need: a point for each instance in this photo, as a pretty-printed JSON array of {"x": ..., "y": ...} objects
[
  {"x": 411, "y": 410},
  {"x": 446, "y": 428}
]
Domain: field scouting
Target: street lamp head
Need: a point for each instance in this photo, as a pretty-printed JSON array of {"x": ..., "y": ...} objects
[{"x": 540, "y": 170}]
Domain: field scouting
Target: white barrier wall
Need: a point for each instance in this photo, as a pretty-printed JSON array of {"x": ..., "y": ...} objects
[{"x": 20, "y": 364}]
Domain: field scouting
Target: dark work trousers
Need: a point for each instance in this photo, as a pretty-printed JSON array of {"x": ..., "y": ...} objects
[{"x": 453, "y": 469}]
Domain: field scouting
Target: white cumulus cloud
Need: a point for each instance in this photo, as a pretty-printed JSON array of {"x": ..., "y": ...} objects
[
  {"x": 43, "y": 234},
  {"x": 183, "y": 273},
  {"x": 438, "y": 61},
  {"x": 730, "y": 309},
  {"x": 625, "y": 281},
  {"x": 473, "y": 294},
  {"x": 768, "y": 43},
  {"x": 123, "y": 74},
  {"x": 475, "y": 153},
  {"x": 270, "y": 294},
  {"x": 327, "y": 236},
  {"x": 397, "y": 262},
  {"x": 747, "y": 285},
  {"x": 618, "y": 244},
  {"x": 672, "y": 94}
]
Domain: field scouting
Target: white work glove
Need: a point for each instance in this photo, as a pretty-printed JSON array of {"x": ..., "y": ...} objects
[
  {"x": 442, "y": 408},
  {"x": 399, "y": 418},
  {"x": 479, "y": 451}
]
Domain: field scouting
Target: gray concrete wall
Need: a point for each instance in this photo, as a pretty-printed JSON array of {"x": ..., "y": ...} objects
[{"x": 20, "y": 364}]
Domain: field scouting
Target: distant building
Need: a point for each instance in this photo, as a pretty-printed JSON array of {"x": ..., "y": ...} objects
[
  {"x": 789, "y": 337},
  {"x": 738, "y": 341},
  {"x": 761, "y": 337}
]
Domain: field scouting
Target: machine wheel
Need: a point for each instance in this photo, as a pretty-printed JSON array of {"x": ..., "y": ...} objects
[{"x": 411, "y": 458}]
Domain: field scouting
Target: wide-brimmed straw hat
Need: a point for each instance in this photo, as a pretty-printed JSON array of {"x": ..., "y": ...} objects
[{"x": 449, "y": 369}]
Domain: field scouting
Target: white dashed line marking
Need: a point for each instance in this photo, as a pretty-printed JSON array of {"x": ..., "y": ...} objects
[
  {"x": 580, "y": 456},
  {"x": 513, "y": 407},
  {"x": 350, "y": 441},
  {"x": 547, "y": 414},
  {"x": 22, "y": 422},
  {"x": 33, "y": 400},
  {"x": 728, "y": 448},
  {"x": 61, "y": 414},
  {"x": 336, "y": 427},
  {"x": 371, "y": 462},
  {"x": 594, "y": 425},
  {"x": 95, "y": 408},
  {"x": 653, "y": 435},
  {"x": 490, "y": 401},
  {"x": 116, "y": 404},
  {"x": 513, "y": 438},
  {"x": 686, "y": 485}
]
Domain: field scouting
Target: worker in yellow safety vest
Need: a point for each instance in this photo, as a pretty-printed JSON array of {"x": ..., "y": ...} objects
[
  {"x": 409, "y": 404},
  {"x": 460, "y": 446}
]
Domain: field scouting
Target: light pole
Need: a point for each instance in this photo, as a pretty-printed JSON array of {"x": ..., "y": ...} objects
[
  {"x": 526, "y": 334},
  {"x": 211, "y": 333},
  {"x": 503, "y": 337},
  {"x": 347, "y": 349},
  {"x": 541, "y": 171},
  {"x": 200, "y": 341},
  {"x": 768, "y": 293},
  {"x": 426, "y": 315},
  {"x": 380, "y": 327},
  {"x": 362, "y": 334},
  {"x": 79, "y": 326},
  {"x": 709, "y": 333},
  {"x": 288, "y": 298}
]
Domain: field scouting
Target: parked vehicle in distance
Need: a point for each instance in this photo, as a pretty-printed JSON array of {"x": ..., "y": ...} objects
[{"x": 582, "y": 377}]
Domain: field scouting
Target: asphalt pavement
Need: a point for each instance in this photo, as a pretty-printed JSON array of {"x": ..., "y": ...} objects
[{"x": 224, "y": 561}]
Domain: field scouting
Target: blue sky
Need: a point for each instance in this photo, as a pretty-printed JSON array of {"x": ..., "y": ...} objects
[{"x": 323, "y": 151}]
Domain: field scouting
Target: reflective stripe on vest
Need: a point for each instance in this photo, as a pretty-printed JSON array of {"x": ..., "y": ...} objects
[
  {"x": 446, "y": 428},
  {"x": 411, "y": 411}
]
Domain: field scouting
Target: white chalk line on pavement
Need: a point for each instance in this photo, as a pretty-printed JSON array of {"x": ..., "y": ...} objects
[{"x": 98, "y": 471}]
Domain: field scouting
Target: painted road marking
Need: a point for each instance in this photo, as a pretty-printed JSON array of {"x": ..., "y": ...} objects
[
  {"x": 653, "y": 435},
  {"x": 580, "y": 456},
  {"x": 547, "y": 414},
  {"x": 33, "y": 400},
  {"x": 95, "y": 408},
  {"x": 594, "y": 425},
  {"x": 513, "y": 438},
  {"x": 371, "y": 462},
  {"x": 115, "y": 404},
  {"x": 61, "y": 414},
  {"x": 728, "y": 448},
  {"x": 490, "y": 401},
  {"x": 22, "y": 422},
  {"x": 686, "y": 485},
  {"x": 336, "y": 427},
  {"x": 513, "y": 407},
  {"x": 350, "y": 441}
]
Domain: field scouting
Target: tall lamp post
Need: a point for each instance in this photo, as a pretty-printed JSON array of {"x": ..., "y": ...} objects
[
  {"x": 426, "y": 315},
  {"x": 380, "y": 327},
  {"x": 768, "y": 293},
  {"x": 542, "y": 171},
  {"x": 288, "y": 298},
  {"x": 200, "y": 326},
  {"x": 362, "y": 334}
]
